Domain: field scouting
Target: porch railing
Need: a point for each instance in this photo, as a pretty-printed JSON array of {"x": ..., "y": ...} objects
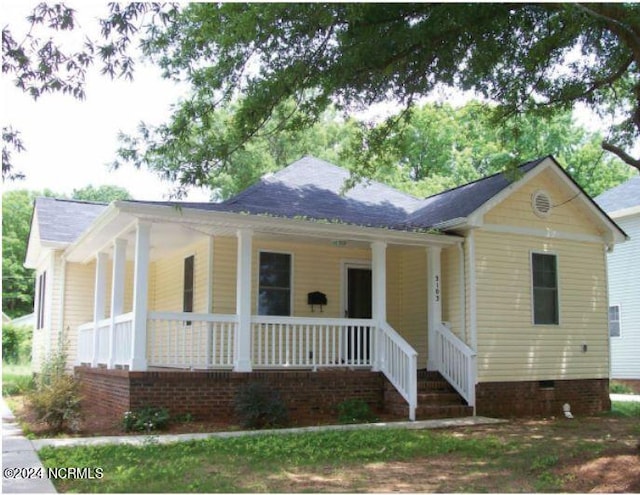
[
  {"x": 191, "y": 340},
  {"x": 280, "y": 341},
  {"x": 399, "y": 363},
  {"x": 92, "y": 352},
  {"x": 456, "y": 361}
]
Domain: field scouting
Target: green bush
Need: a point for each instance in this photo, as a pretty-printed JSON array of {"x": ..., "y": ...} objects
[
  {"x": 619, "y": 388},
  {"x": 56, "y": 397},
  {"x": 16, "y": 382},
  {"x": 259, "y": 406},
  {"x": 147, "y": 419},
  {"x": 355, "y": 411},
  {"x": 16, "y": 344}
]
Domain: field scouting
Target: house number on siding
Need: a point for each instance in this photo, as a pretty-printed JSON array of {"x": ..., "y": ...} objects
[{"x": 437, "y": 291}]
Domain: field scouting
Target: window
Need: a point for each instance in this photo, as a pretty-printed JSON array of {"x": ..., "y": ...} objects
[
  {"x": 614, "y": 321},
  {"x": 187, "y": 291},
  {"x": 274, "y": 294},
  {"x": 545, "y": 289},
  {"x": 41, "y": 297}
]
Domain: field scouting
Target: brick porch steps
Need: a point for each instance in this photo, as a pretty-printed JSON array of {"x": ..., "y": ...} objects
[{"x": 436, "y": 399}]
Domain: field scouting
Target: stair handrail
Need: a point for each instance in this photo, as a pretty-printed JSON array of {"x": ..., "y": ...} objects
[
  {"x": 456, "y": 362},
  {"x": 399, "y": 363}
]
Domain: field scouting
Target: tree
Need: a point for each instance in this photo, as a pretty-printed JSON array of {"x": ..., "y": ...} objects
[
  {"x": 40, "y": 65},
  {"x": 17, "y": 281},
  {"x": 101, "y": 194},
  {"x": 531, "y": 58}
]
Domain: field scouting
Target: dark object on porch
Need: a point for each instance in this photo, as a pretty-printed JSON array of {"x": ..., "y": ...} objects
[
  {"x": 316, "y": 299},
  {"x": 260, "y": 406}
]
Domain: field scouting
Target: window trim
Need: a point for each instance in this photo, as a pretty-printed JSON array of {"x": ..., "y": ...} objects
[
  {"x": 619, "y": 321},
  {"x": 558, "y": 299},
  {"x": 291, "y": 278}
]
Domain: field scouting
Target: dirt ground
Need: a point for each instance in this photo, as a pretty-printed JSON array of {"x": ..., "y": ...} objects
[{"x": 598, "y": 454}]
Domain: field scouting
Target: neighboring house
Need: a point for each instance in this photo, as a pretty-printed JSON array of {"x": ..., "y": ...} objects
[
  {"x": 622, "y": 203},
  {"x": 24, "y": 321},
  {"x": 499, "y": 286}
]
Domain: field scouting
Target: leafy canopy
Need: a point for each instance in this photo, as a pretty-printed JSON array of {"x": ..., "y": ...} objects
[{"x": 531, "y": 58}]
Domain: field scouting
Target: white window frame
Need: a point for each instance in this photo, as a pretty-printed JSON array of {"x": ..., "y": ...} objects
[
  {"x": 558, "y": 285},
  {"x": 291, "y": 279},
  {"x": 619, "y": 321}
]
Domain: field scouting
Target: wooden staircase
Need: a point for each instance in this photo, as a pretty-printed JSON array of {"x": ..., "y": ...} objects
[{"x": 436, "y": 399}]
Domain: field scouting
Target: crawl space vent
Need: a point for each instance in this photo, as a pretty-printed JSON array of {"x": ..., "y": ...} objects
[{"x": 541, "y": 203}]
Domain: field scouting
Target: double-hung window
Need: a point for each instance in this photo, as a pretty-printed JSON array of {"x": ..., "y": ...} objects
[
  {"x": 614, "y": 321},
  {"x": 274, "y": 293},
  {"x": 545, "y": 289}
]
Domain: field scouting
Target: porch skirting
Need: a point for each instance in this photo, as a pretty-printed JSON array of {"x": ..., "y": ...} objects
[
  {"x": 542, "y": 398},
  {"x": 210, "y": 394}
]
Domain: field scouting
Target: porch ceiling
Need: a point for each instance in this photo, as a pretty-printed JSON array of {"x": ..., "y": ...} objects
[{"x": 173, "y": 228}]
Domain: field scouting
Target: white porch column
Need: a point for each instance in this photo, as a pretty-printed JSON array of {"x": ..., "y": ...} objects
[
  {"x": 243, "y": 302},
  {"x": 140, "y": 289},
  {"x": 378, "y": 296},
  {"x": 117, "y": 293},
  {"x": 99, "y": 301},
  {"x": 434, "y": 303}
]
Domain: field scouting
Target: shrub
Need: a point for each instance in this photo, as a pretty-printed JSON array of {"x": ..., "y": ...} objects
[
  {"x": 355, "y": 411},
  {"x": 147, "y": 419},
  {"x": 56, "y": 397},
  {"x": 16, "y": 344},
  {"x": 259, "y": 406},
  {"x": 619, "y": 388}
]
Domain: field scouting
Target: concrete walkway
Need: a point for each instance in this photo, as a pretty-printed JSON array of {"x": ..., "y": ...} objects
[
  {"x": 22, "y": 471},
  {"x": 143, "y": 439},
  {"x": 624, "y": 398}
]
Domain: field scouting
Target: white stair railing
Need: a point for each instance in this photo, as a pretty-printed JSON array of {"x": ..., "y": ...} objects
[
  {"x": 456, "y": 362},
  {"x": 399, "y": 363}
]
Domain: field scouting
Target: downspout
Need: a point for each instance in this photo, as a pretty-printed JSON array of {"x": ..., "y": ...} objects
[
  {"x": 473, "y": 322},
  {"x": 63, "y": 284}
]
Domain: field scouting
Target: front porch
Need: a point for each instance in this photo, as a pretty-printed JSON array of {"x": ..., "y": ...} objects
[{"x": 145, "y": 269}]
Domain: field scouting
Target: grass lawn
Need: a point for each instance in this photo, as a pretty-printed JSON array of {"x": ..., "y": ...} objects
[
  {"x": 584, "y": 454},
  {"x": 16, "y": 378}
]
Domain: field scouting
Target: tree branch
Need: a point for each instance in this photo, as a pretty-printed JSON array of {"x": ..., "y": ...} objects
[{"x": 620, "y": 153}]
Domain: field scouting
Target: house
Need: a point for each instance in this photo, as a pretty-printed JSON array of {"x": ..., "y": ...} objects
[
  {"x": 622, "y": 203},
  {"x": 497, "y": 287}
]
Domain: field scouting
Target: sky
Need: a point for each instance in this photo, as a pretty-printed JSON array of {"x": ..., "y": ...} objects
[{"x": 70, "y": 143}]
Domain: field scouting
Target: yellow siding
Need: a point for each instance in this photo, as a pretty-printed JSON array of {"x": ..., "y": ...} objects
[
  {"x": 78, "y": 302},
  {"x": 315, "y": 268},
  {"x": 224, "y": 275},
  {"x": 450, "y": 274},
  {"x": 167, "y": 275},
  {"x": 566, "y": 216},
  {"x": 407, "y": 296},
  {"x": 510, "y": 347}
]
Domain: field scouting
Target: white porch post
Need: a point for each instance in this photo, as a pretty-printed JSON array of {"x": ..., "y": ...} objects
[
  {"x": 138, "y": 360},
  {"x": 434, "y": 304},
  {"x": 379, "y": 297},
  {"x": 99, "y": 301},
  {"x": 242, "y": 360},
  {"x": 117, "y": 293}
]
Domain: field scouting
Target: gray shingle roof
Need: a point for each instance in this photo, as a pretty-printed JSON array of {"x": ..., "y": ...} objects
[
  {"x": 62, "y": 220},
  {"x": 626, "y": 195},
  {"x": 312, "y": 188},
  {"x": 461, "y": 201}
]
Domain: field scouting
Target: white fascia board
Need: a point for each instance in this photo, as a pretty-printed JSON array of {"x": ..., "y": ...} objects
[
  {"x": 108, "y": 215},
  {"x": 280, "y": 225}
]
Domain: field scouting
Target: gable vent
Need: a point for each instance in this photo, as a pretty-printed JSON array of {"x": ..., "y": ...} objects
[{"x": 541, "y": 203}]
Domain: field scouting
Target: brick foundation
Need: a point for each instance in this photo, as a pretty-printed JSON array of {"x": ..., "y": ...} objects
[
  {"x": 210, "y": 394},
  {"x": 542, "y": 398}
]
